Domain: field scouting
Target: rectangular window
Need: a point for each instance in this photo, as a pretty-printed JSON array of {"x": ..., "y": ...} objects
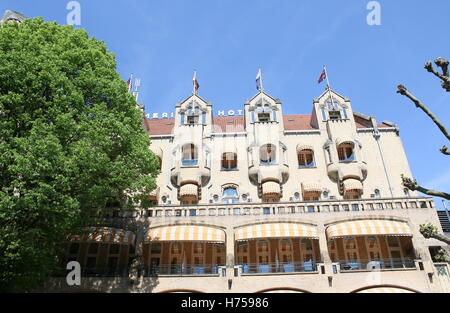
[
  {"x": 336, "y": 207},
  {"x": 355, "y": 207},
  {"x": 264, "y": 117},
  {"x": 310, "y": 208},
  {"x": 266, "y": 211}
]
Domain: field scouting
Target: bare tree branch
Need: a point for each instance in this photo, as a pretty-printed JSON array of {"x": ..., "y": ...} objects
[
  {"x": 413, "y": 186},
  {"x": 431, "y": 231},
  {"x": 443, "y": 64},
  {"x": 403, "y": 91},
  {"x": 445, "y": 150}
]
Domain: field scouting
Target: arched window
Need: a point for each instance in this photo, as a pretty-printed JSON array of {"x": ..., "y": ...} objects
[
  {"x": 193, "y": 115},
  {"x": 306, "y": 158},
  {"x": 346, "y": 152},
  {"x": 268, "y": 154},
  {"x": 230, "y": 195},
  {"x": 229, "y": 161},
  {"x": 264, "y": 112},
  {"x": 189, "y": 155}
]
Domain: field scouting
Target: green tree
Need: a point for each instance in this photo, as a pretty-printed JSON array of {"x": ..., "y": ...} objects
[{"x": 71, "y": 143}]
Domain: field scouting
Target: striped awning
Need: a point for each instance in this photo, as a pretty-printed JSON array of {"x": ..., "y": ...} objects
[
  {"x": 271, "y": 187},
  {"x": 304, "y": 147},
  {"x": 369, "y": 227},
  {"x": 105, "y": 235},
  {"x": 352, "y": 184},
  {"x": 189, "y": 190},
  {"x": 185, "y": 233},
  {"x": 344, "y": 140},
  {"x": 276, "y": 230},
  {"x": 385, "y": 290},
  {"x": 311, "y": 187}
]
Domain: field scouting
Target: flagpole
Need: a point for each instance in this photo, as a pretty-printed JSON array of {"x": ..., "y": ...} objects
[
  {"x": 262, "y": 87},
  {"x": 193, "y": 82},
  {"x": 328, "y": 85}
]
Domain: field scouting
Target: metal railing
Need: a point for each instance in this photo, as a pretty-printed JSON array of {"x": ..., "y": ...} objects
[
  {"x": 286, "y": 208},
  {"x": 181, "y": 269},
  {"x": 99, "y": 271},
  {"x": 278, "y": 267},
  {"x": 356, "y": 265}
]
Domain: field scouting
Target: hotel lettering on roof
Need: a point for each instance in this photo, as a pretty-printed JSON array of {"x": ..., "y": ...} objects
[{"x": 268, "y": 202}]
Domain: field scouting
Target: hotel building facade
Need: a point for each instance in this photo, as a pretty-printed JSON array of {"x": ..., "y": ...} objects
[{"x": 268, "y": 202}]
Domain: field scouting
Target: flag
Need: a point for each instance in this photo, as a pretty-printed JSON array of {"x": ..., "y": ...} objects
[
  {"x": 195, "y": 82},
  {"x": 259, "y": 80},
  {"x": 130, "y": 83},
  {"x": 322, "y": 76}
]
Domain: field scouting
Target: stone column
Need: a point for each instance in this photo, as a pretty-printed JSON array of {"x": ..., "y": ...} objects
[
  {"x": 323, "y": 246},
  {"x": 229, "y": 251}
]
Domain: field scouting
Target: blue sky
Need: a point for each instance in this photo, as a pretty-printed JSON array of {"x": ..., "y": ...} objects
[{"x": 163, "y": 41}]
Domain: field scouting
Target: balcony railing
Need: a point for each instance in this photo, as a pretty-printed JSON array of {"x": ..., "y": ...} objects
[
  {"x": 182, "y": 270},
  {"x": 285, "y": 208},
  {"x": 99, "y": 271},
  {"x": 381, "y": 264},
  {"x": 266, "y": 268}
]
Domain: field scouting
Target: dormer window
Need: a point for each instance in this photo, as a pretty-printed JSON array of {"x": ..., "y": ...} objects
[
  {"x": 264, "y": 117},
  {"x": 335, "y": 115},
  {"x": 191, "y": 120}
]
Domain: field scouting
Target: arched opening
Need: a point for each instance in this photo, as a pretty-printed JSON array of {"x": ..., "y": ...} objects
[
  {"x": 267, "y": 154},
  {"x": 346, "y": 152},
  {"x": 230, "y": 195},
  {"x": 305, "y": 158}
]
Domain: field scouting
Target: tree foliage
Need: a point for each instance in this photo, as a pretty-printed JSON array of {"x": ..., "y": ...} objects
[{"x": 71, "y": 143}]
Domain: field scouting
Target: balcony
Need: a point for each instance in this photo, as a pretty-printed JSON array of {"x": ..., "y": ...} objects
[
  {"x": 182, "y": 270},
  {"x": 278, "y": 268},
  {"x": 290, "y": 208},
  {"x": 381, "y": 264}
]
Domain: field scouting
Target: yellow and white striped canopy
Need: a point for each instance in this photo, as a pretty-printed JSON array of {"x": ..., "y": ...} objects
[
  {"x": 311, "y": 187},
  {"x": 352, "y": 184},
  {"x": 385, "y": 290},
  {"x": 185, "y": 233},
  {"x": 369, "y": 227},
  {"x": 105, "y": 235},
  {"x": 189, "y": 190},
  {"x": 276, "y": 230},
  {"x": 271, "y": 187}
]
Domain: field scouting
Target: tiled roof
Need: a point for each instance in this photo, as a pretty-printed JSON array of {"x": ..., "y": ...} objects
[
  {"x": 159, "y": 127},
  {"x": 236, "y": 124},
  {"x": 228, "y": 124},
  {"x": 362, "y": 123},
  {"x": 298, "y": 122}
]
